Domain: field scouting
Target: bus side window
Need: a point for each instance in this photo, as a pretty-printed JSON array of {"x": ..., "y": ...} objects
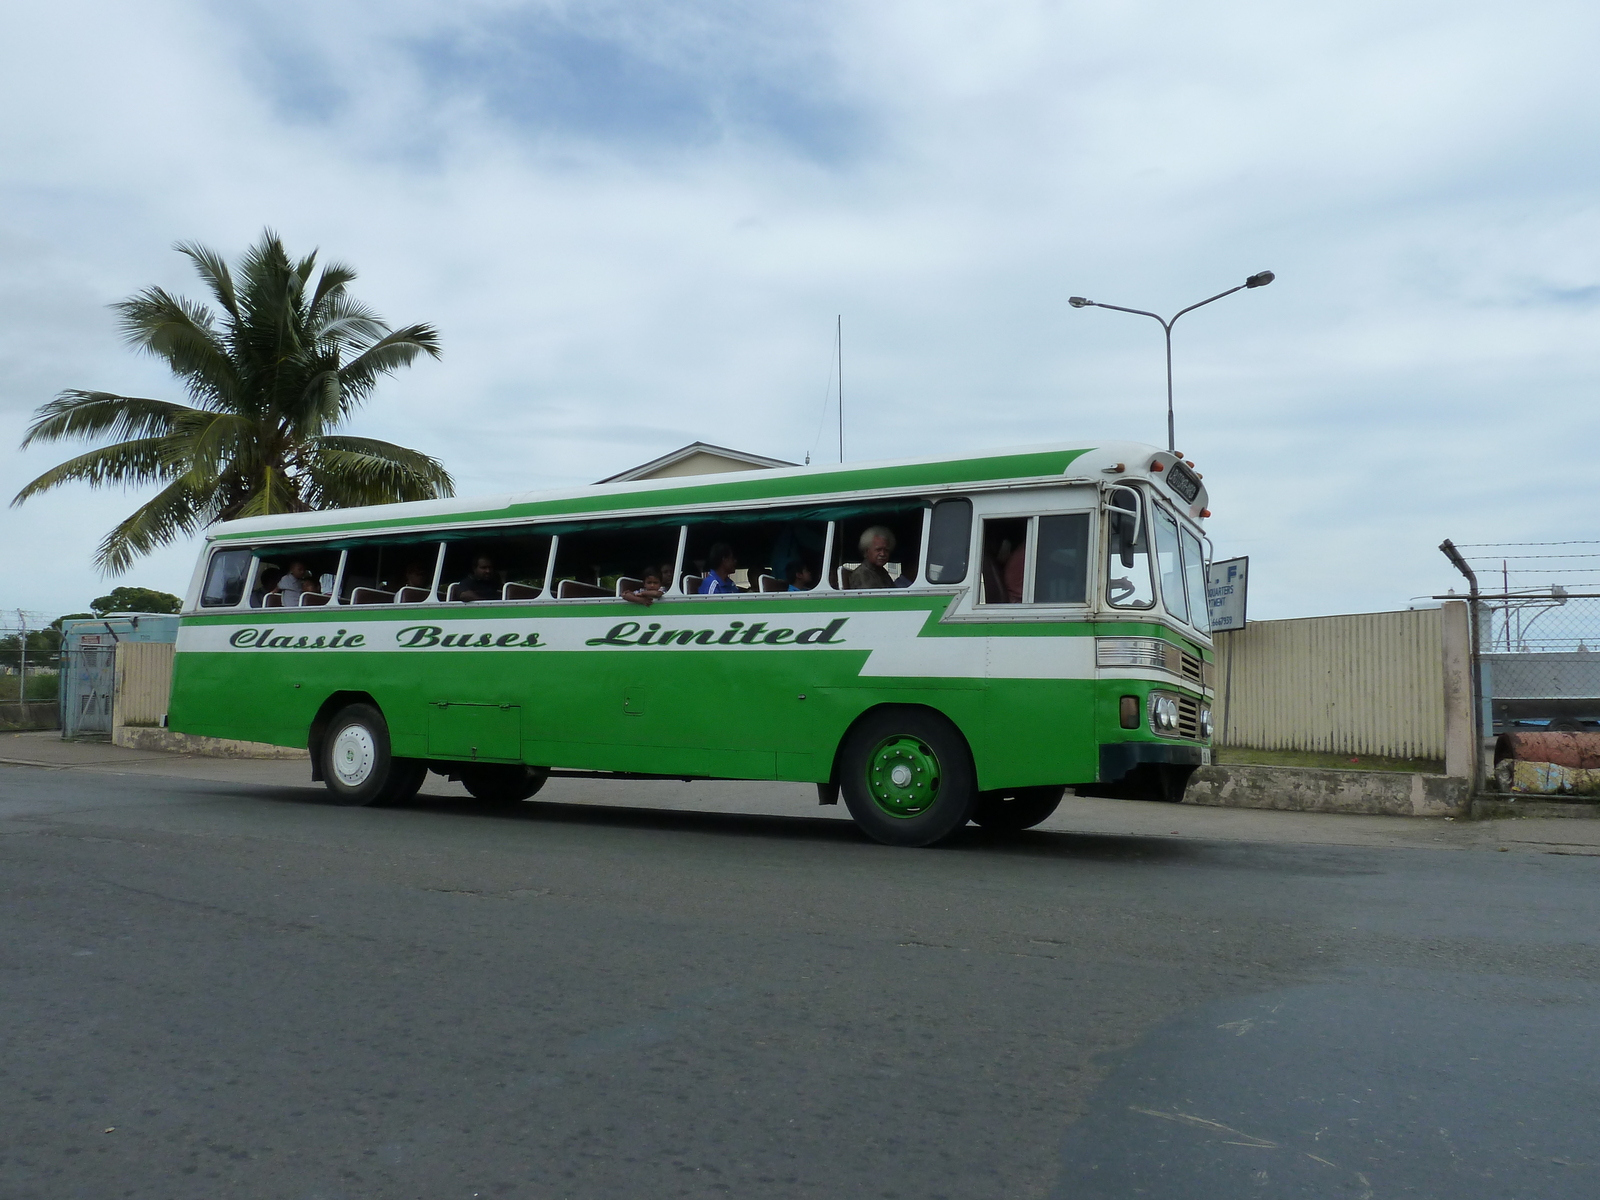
[
  {"x": 590, "y": 561},
  {"x": 1005, "y": 559},
  {"x": 1061, "y": 566},
  {"x": 949, "y": 541},
  {"x": 483, "y": 567},
  {"x": 769, "y": 548},
  {"x": 379, "y": 572},
  {"x": 225, "y": 579},
  {"x": 856, "y": 529}
]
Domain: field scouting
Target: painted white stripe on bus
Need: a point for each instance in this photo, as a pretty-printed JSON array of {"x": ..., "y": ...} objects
[{"x": 892, "y": 639}]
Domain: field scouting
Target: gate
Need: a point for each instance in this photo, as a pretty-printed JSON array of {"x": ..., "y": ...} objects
[{"x": 88, "y": 681}]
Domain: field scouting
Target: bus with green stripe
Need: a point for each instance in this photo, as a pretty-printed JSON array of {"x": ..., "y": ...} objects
[{"x": 936, "y": 641}]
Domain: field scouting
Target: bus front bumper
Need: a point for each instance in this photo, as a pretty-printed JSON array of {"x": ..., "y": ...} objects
[{"x": 1118, "y": 758}]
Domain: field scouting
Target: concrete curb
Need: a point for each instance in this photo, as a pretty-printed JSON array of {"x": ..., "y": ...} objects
[
  {"x": 148, "y": 737},
  {"x": 1308, "y": 789},
  {"x": 1492, "y": 808}
]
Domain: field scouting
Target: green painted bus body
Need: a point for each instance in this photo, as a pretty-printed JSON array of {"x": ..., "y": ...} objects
[{"x": 511, "y": 682}]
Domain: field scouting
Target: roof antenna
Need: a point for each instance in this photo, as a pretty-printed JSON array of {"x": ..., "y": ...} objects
[{"x": 839, "y": 335}]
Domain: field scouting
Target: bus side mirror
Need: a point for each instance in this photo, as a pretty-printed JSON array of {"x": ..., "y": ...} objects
[{"x": 1124, "y": 519}]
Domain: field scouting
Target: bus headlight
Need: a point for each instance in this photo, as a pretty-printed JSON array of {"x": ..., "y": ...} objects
[
  {"x": 1205, "y": 721},
  {"x": 1163, "y": 713}
]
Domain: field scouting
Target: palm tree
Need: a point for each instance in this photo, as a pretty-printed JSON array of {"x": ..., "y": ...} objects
[{"x": 285, "y": 365}]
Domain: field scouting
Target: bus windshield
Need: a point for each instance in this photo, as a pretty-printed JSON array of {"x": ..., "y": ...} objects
[{"x": 1170, "y": 561}]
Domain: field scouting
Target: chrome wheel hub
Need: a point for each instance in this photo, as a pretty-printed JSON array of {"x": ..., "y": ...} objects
[{"x": 354, "y": 755}]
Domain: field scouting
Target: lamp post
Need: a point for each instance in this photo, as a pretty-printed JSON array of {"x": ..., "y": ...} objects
[{"x": 1259, "y": 279}]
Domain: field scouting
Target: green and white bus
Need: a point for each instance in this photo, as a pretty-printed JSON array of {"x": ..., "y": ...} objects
[{"x": 1045, "y": 628}]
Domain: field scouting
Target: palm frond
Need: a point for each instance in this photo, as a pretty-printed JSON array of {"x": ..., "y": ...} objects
[
  {"x": 213, "y": 269},
  {"x": 131, "y": 463},
  {"x": 399, "y": 349},
  {"x": 331, "y": 283},
  {"x": 276, "y": 491},
  {"x": 183, "y": 334},
  {"x": 346, "y": 323},
  {"x": 205, "y": 444},
  {"x": 177, "y": 510},
  {"x": 345, "y": 472},
  {"x": 77, "y": 414}
]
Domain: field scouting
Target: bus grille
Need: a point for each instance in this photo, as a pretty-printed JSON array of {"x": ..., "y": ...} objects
[
  {"x": 1152, "y": 652},
  {"x": 1188, "y": 717}
]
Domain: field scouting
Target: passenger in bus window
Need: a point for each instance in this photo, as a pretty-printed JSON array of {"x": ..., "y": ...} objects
[
  {"x": 877, "y": 543},
  {"x": 266, "y": 584},
  {"x": 1016, "y": 562},
  {"x": 648, "y": 592},
  {"x": 801, "y": 577},
  {"x": 482, "y": 583},
  {"x": 418, "y": 575},
  {"x": 721, "y": 564},
  {"x": 294, "y": 581}
]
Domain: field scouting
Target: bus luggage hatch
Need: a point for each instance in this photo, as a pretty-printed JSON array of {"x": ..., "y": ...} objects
[{"x": 476, "y": 732}]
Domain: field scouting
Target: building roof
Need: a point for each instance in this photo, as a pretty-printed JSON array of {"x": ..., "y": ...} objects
[{"x": 697, "y": 458}]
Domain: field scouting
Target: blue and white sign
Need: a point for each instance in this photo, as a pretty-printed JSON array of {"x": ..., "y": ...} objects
[{"x": 1226, "y": 585}]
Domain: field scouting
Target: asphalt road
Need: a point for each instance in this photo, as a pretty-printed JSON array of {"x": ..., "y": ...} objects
[{"x": 213, "y": 989}]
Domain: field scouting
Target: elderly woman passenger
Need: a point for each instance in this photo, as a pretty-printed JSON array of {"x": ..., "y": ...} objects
[{"x": 877, "y": 543}]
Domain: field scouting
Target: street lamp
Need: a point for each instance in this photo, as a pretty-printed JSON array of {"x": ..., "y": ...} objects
[{"x": 1259, "y": 279}]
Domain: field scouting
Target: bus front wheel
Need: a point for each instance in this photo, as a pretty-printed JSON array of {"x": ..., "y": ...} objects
[
  {"x": 907, "y": 777},
  {"x": 357, "y": 765},
  {"x": 1010, "y": 810}
]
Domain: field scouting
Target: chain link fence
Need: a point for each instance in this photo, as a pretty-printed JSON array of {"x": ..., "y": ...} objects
[
  {"x": 1536, "y": 621},
  {"x": 30, "y": 665}
]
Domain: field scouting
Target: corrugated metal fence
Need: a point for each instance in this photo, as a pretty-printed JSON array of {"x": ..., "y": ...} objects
[
  {"x": 1368, "y": 683},
  {"x": 144, "y": 682}
]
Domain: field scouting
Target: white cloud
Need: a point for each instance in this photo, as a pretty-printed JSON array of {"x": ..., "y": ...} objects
[{"x": 608, "y": 285}]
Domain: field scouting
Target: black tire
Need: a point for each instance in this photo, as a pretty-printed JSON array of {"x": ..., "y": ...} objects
[
  {"x": 502, "y": 783},
  {"x": 1010, "y": 810},
  {"x": 406, "y": 780},
  {"x": 939, "y": 788},
  {"x": 357, "y": 765}
]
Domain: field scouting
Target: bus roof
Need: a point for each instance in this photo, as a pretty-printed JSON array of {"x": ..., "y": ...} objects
[{"x": 1034, "y": 464}]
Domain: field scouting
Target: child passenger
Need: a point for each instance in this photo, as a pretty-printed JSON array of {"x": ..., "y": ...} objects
[{"x": 648, "y": 592}]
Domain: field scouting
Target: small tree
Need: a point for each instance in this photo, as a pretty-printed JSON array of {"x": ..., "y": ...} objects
[
  {"x": 283, "y": 362},
  {"x": 136, "y": 599}
]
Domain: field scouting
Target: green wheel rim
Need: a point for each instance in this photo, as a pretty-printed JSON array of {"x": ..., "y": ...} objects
[{"x": 903, "y": 776}]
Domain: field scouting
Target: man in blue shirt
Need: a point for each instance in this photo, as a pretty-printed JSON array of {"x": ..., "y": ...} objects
[{"x": 721, "y": 563}]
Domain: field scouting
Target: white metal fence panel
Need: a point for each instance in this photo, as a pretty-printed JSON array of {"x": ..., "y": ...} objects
[
  {"x": 144, "y": 682},
  {"x": 1365, "y": 683}
]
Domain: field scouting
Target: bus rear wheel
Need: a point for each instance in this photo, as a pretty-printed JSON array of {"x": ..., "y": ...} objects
[
  {"x": 501, "y": 783},
  {"x": 357, "y": 765},
  {"x": 1010, "y": 810},
  {"x": 907, "y": 777}
]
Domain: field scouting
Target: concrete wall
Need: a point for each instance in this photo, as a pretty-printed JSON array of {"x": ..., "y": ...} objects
[
  {"x": 32, "y": 714},
  {"x": 144, "y": 682},
  {"x": 1306, "y": 789},
  {"x": 1366, "y": 683}
]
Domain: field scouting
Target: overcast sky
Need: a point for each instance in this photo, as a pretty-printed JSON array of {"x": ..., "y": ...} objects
[{"x": 633, "y": 225}]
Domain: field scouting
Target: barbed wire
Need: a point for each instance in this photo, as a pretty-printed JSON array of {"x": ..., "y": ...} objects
[{"x": 1514, "y": 545}]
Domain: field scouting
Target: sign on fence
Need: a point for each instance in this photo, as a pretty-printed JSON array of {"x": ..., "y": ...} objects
[{"x": 1226, "y": 585}]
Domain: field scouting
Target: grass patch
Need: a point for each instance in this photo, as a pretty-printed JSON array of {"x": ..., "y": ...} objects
[
  {"x": 46, "y": 685},
  {"x": 1243, "y": 756}
]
